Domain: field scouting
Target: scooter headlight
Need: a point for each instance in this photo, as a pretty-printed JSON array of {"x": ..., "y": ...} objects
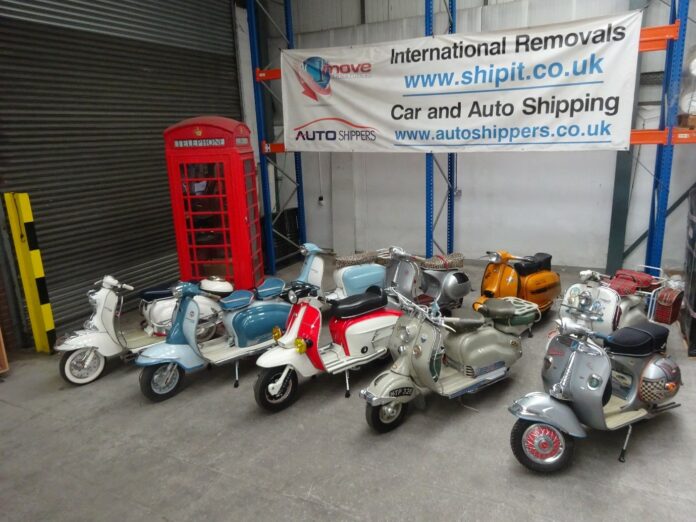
[
  {"x": 495, "y": 257},
  {"x": 300, "y": 345},
  {"x": 292, "y": 296},
  {"x": 277, "y": 333},
  {"x": 304, "y": 251}
]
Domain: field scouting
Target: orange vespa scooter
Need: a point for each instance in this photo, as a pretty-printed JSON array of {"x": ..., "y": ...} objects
[{"x": 529, "y": 278}]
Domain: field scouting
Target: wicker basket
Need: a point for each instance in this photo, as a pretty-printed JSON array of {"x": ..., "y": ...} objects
[
  {"x": 454, "y": 260},
  {"x": 356, "y": 259}
]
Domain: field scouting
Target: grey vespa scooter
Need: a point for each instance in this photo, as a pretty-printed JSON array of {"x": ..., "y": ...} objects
[
  {"x": 478, "y": 352},
  {"x": 602, "y": 387}
]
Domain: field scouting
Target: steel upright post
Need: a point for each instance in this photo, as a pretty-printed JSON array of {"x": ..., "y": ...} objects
[
  {"x": 451, "y": 157},
  {"x": 261, "y": 135},
  {"x": 429, "y": 182},
  {"x": 668, "y": 119},
  {"x": 298, "y": 157}
]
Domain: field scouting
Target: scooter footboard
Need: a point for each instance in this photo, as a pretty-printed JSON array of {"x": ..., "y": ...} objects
[
  {"x": 389, "y": 387},
  {"x": 541, "y": 407}
]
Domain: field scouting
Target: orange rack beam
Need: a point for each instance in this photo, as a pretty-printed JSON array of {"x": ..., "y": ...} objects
[{"x": 655, "y": 38}]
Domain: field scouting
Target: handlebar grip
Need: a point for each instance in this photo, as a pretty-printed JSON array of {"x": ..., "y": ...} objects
[{"x": 127, "y": 287}]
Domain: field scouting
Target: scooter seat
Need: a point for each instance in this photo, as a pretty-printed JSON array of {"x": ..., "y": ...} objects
[
  {"x": 271, "y": 287},
  {"x": 155, "y": 293},
  {"x": 639, "y": 340},
  {"x": 539, "y": 261},
  {"x": 236, "y": 300},
  {"x": 373, "y": 299},
  {"x": 497, "y": 309}
]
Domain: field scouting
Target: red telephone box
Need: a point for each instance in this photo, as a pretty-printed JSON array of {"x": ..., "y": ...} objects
[{"x": 212, "y": 179}]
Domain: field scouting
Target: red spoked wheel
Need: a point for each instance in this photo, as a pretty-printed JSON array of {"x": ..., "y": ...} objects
[{"x": 541, "y": 447}]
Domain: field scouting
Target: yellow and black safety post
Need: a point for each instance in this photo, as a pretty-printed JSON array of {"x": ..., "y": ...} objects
[{"x": 31, "y": 270}]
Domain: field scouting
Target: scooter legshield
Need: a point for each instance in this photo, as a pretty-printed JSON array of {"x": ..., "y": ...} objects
[
  {"x": 541, "y": 407},
  {"x": 162, "y": 353},
  {"x": 390, "y": 386},
  {"x": 281, "y": 357}
]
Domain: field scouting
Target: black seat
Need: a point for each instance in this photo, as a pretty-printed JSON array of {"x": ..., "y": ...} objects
[
  {"x": 638, "y": 340},
  {"x": 151, "y": 294},
  {"x": 538, "y": 262},
  {"x": 373, "y": 299}
]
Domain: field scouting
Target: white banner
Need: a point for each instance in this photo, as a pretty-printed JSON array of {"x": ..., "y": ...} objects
[{"x": 557, "y": 87}]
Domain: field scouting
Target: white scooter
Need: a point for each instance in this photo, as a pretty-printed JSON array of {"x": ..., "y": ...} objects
[{"x": 84, "y": 352}]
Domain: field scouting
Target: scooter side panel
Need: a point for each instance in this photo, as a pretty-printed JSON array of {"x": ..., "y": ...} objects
[
  {"x": 280, "y": 357},
  {"x": 254, "y": 324},
  {"x": 587, "y": 402},
  {"x": 541, "y": 407},
  {"x": 485, "y": 349},
  {"x": 86, "y": 339},
  {"x": 356, "y": 279},
  {"x": 358, "y": 333},
  {"x": 541, "y": 288},
  {"x": 182, "y": 354}
]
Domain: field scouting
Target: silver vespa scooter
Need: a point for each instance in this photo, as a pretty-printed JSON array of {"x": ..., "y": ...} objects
[
  {"x": 438, "y": 280},
  {"x": 607, "y": 387},
  {"x": 478, "y": 352}
]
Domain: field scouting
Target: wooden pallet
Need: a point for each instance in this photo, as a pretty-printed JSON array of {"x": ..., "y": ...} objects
[{"x": 4, "y": 365}]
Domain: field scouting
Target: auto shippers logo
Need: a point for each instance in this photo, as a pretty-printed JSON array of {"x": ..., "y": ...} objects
[
  {"x": 341, "y": 130},
  {"x": 316, "y": 73}
]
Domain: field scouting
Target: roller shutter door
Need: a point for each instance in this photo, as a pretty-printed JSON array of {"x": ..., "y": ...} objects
[{"x": 86, "y": 90}]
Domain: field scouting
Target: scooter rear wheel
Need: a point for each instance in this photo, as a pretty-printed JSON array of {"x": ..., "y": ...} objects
[
  {"x": 386, "y": 417},
  {"x": 541, "y": 447},
  {"x": 284, "y": 398},
  {"x": 157, "y": 384},
  {"x": 74, "y": 369}
]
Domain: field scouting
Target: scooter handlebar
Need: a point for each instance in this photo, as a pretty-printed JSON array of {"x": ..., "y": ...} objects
[{"x": 127, "y": 287}]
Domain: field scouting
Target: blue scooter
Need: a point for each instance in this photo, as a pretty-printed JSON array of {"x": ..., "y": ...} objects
[{"x": 248, "y": 322}]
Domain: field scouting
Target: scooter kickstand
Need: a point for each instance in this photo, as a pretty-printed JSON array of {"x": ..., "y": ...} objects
[
  {"x": 347, "y": 385},
  {"x": 236, "y": 374},
  {"x": 622, "y": 456}
]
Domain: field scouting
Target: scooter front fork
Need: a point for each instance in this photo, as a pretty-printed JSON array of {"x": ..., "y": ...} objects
[
  {"x": 347, "y": 385},
  {"x": 622, "y": 456},
  {"x": 275, "y": 387}
]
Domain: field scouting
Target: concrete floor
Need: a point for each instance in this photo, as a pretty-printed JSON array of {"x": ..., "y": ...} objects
[{"x": 104, "y": 452}]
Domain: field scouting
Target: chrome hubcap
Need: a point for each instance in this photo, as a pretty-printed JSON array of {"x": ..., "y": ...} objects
[
  {"x": 389, "y": 412},
  {"x": 543, "y": 443},
  {"x": 165, "y": 378},
  {"x": 82, "y": 365}
]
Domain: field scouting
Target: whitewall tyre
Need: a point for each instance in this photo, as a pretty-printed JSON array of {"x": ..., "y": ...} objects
[
  {"x": 160, "y": 382},
  {"x": 82, "y": 366}
]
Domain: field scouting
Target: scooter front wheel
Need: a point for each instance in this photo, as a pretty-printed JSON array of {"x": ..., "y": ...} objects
[
  {"x": 284, "y": 397},
  {"x": 541, "y": 447},
  {"x": 159, "y": 382},
  {"x": 386, "y": 417},
  {"x": 82, "y": 366}
]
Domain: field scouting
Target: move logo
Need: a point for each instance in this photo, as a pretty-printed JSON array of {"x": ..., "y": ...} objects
[{"x": 316, "y": 73}]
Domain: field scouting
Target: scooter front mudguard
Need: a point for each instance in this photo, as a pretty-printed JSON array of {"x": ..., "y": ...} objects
[
  {"x": 541, "y": 407},
  {"x": 88, "y": 339},
  {"x": 281, "y": 357},
  {"x": 163, "y": 352},
  {"x": 390, "y": 387}
]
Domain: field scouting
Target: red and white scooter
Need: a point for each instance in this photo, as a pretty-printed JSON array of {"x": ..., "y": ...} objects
[{"x": 360, "y": 328}]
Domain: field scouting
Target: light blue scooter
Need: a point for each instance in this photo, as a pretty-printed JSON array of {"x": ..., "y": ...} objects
[{"x": 248, "y": 323}]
